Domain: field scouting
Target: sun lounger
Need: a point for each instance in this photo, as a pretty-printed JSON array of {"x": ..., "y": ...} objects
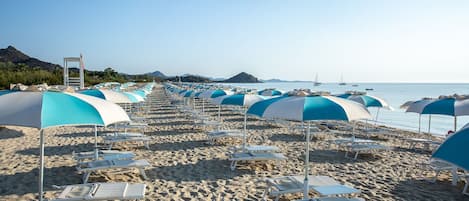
[
  {"x": 125, "y": 134},
  {"x": 364, "y": 148},
  {"x": 103, "y": 154},
  {"x": 438, "y": 166},
  {"x": 334, "y": 199},
  {"x": 425, "y": 142},
  {"x": 89, "y": 167},
  {"x": 255, "y": 148},
  {"x": 323, "y": 185},
  {"x": 253, "y": 156},
  {"x": 218, "y": 134},
  {"x": 111, "y": 140},
  {"x": 102, "y": 191}
]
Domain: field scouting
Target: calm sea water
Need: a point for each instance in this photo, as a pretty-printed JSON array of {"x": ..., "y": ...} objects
[{"x": 395, "y": 94}]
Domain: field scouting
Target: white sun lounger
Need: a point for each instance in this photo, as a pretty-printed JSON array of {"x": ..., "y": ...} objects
[
  {"x": 102, "y": 191},
  {"x": 334, "y": 199},
  {"x": 218, "y": 134},
  {"x": 111, "y": 140},
  {"x": 438, "y": 166},
  {"x": 365, "y": 148},
  {"x": 323, "y": 185},
  {"x": 125, "y": 134},
  {"x": 103, "y": 154},
  {"x": 255, "y": 148},
  {"x": 89, "y": 167},
  {"x": 425, "y": 142},
  {"x": 254, "y": 156}
]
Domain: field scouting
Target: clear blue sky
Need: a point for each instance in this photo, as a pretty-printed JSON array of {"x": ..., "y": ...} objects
[{"x": 374, "y": 40}]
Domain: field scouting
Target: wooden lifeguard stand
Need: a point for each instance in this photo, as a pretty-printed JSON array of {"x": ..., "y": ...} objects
[{"x": 78, "y": 82}]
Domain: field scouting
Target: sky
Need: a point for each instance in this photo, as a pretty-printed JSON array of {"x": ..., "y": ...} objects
[{"x": 363, "y": 40}]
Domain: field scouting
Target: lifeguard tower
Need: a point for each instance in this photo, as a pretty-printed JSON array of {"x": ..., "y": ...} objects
[{"x": 76, "y": 82}]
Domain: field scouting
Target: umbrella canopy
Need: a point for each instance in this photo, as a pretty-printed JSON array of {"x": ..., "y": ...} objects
[
  {"x": 214, "y": 93},
  {"x": 454, "y": 149},
  {"x": 134, "y": 98},
  {"x": 307, "y": 108},
  {"x": 50, "y": 109},
  {"x": 109, "y": 95},
  {"x": 141, "y": 93},
  {"x": 270, "y": 92},
  {"x": 370, "y": 101},
  {"x": 188, "y": 94},
  {"x": 444, "y": 106},
  {"x": 238, "y": 99}
]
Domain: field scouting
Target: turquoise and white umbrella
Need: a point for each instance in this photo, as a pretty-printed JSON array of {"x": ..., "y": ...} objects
[
  {"x": 244, "y": 100},
  {"x": 454, "y": 149},
  {"x": 212, "y": 93},
  {"x": 51, "y": 109},
  {"x": 109, "y": 95},
  {"x": 135, "y": 98},
  {"x": 270, "y": 92},
  {"x": 443, "y": 106},
  {"x": 368, "y": 101},
  {"x": 309, "y": 108}
]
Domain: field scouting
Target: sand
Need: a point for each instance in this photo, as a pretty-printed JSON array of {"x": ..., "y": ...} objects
[{"x": 185, "y": 167}]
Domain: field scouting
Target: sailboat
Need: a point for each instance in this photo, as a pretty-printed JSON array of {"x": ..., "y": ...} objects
[
  {"x": 316, "y": 83},
  {"x": 342, "y": 80}
]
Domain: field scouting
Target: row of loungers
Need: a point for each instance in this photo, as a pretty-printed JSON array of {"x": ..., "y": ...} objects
[{"x": 110, "y": 161}]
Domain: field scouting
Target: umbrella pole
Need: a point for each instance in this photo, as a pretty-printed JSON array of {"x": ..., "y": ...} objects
[
  {"x": 245, "y": 130},
  {"x": 41, "y": 165},
  {"x": 219, "y": 110},
  {"x": 429, "y": 123},
  {"x": 420, "y": 118},
  {"x": 377, "y": 114},
  {"x": 455, "y": 123},
  {"x": 96, "y": 142},
  {"x": 203, "y": 108},
  {"x": 305, "y": 182}
]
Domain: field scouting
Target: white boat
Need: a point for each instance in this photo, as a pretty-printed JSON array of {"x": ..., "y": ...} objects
[
  {"x": 342, "y": 80},
  {"x": 316, "y": 83}
]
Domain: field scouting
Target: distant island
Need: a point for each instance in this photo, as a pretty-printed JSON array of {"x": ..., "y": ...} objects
[{"x": 242, "y": 78}]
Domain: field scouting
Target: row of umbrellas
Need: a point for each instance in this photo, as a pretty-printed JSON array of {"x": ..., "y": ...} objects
[
  {"x": 48, "y": 109},
  {"x": 310, "y": 108}
]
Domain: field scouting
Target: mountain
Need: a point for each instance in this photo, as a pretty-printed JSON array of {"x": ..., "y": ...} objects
[
  {"x": 189, "y": 78},
  {"x": 243, "y": 78},
  {"x": 157, "y": 74},
  {"x": 11, "y": 54}
]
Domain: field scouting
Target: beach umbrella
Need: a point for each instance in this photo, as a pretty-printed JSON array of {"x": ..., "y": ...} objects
[
  {"x": 141, "y": 93},
  {"x": 449, "y": 106},
  {"x": 43, "y": 110},
  {"x": 134, "y": 98},
  {"x": 368, "y": 101},
  {"x": 454, "y": 149},
  {"x": 309, "y": 108},
  {"x": 109, "y": 95},
  {"x": 244, "y": 100},
  {"x": 212, "y": 93},
  {"x": 270, "y": 92}
]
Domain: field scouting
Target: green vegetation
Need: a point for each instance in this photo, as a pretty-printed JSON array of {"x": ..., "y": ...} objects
[{"x": 21, "y": 73}]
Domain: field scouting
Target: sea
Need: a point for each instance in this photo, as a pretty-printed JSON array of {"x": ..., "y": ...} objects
[{"x": 395, "y": 94}]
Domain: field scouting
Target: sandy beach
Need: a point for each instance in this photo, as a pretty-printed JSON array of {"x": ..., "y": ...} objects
[{"x": 185, "y": 167}]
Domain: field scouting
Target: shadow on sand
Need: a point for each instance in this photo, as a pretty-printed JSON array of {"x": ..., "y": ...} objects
[
  {"x": 212, "y": 170},
  {"x": 58, "y": 150},
  {"x": 180, "y": 146},
  {"x": 9, "y": 133},
  {"x": 27, "y": 182},
  {"x": 426, "y": 190}
]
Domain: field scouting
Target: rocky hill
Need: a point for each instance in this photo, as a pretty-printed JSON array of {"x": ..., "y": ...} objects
[
  {"x": 11, "y": 54},
  {"x": 158, "y": 74},
  {"x": 243, "y": 78}
]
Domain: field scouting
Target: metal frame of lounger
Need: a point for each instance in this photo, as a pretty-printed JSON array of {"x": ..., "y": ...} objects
[
  {"x": 334, "y": 199},
  {"x": 218, "y": 134},
  {"x": 110, "y": 140},
  {"x": 255, "y": 148},
  {"x": 323, "y": 185},
  {"x": 103, "y": 154},
  {"x": 94, "y": 166},
  {"x": 102, "y": 191},
  {"x": 365, "y": 148},
  {"x": 254, "y": 156}
]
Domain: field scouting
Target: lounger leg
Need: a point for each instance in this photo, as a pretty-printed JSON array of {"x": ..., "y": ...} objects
[
  {"x": 86, "y": 175},
  {"x": 356, "y": 155},
  {"x": 233, "y": 165},
  {"x": 142, "y": 172},
  {"x": 464, "y": 191},
  {"x": 147, "y": 145}
]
